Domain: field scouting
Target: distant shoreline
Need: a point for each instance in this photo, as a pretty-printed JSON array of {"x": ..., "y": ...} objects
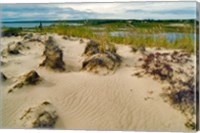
[{"x": 113, "y": 20}]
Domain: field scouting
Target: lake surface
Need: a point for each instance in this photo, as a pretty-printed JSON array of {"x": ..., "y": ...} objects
[{"x": 171, "y": 36}]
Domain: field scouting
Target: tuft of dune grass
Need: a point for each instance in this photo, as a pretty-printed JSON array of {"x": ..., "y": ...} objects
[{"x": 185, "y": 43}]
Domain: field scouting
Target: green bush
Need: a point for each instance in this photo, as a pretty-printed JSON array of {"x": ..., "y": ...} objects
[{"x": 12, "y": 32}]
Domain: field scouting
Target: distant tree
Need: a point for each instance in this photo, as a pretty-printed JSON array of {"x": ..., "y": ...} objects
[{"x": 40, "y": 26}]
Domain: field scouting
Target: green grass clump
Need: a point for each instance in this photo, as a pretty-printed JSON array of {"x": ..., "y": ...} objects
[
  {"x": 104, "y": 38},
  {"x": 74, "y": 31},
  {"x": 185, "y": 43},
  {"x": 11, "y": 32}
]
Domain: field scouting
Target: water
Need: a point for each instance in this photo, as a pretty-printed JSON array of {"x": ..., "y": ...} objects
[
  {"x": 35, "y": 24},
  {"x": 97, "y": 28},
  {"x": 170, "y": 36}
]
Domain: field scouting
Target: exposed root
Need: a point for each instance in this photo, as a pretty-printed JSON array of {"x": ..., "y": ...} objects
[
  {"x": 140, "y": 49},
  {"x": 97, "y": 62},
  {"x": 2, "y": 63},
  {"x": 28, "y": 36},
  {"x": 100, "y": 60},
  {"x": 33, "y": 38},
  {"x": 14, "y": 48},
  {"x": 3, "y": 77},
  {"x": 81, "y": 40},
  {"x": 53, "y": 56},
  {"x": 41, "y": 116},
  {"x": 65, "y": 37},
  {"x": 92, "y": 48},
  {"x": 31, "y": 78}
]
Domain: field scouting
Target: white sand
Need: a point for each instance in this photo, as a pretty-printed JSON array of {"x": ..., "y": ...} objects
[{"x": 84, "y": 100}]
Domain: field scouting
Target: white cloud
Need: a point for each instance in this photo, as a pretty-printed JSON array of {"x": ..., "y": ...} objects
[
  {"x": 121, "y": 7},
  {"x": 92, "y": 7},
  {"x": 141, "y": 10}
]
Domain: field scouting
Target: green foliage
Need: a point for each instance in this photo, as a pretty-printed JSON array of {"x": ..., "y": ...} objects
[
  {"x": 185, "y": 43},
  {"x": 104, "y": 27},
  {"x": 11, "y": 32},
  {"x": 79, "y": 31}
]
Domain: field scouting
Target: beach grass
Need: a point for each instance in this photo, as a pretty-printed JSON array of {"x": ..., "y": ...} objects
[
  {"x": 11, "y": 31},
  {"x": 185, "y": 43}
]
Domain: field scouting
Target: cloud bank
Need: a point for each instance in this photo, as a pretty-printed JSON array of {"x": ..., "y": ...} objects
[{"x": 77, "y": 11}]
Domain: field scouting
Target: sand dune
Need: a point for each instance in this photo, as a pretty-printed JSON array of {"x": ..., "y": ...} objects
[{"x": 84, "y": 100}]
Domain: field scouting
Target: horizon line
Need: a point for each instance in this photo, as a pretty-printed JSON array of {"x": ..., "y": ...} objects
[{"x": 8, "y": 21}]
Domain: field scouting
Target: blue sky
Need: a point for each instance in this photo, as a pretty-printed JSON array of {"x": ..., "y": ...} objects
[{"x": 75, "y": 11}]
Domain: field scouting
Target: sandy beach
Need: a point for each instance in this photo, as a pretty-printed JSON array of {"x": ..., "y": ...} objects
[{"x": 80, "y": 99}]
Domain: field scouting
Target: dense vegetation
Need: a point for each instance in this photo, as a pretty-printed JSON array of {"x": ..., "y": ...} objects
[
  {"x": 90, "y": 28},
  {"x": 11, "y": 32}
]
